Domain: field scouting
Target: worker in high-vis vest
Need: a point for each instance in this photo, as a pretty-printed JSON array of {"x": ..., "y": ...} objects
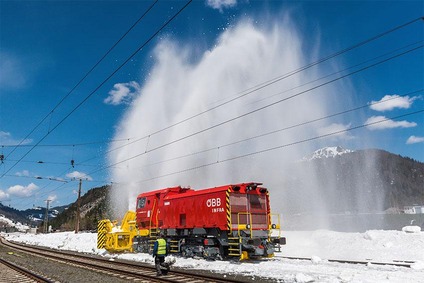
[{"x": 159, "y": 253}]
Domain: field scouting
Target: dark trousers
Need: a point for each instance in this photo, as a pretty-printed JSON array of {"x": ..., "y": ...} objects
[{"x": 160, "y": 261}]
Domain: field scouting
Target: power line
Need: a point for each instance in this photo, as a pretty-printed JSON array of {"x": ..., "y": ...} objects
[
  {"x": 59, "y": 163},
  {"x": 280, "y": 146},
  {"x": 257, "y": 136},
  {"x": 264, "y": 86},
  {"x": 244, "y": 93},
  {"x": 260, "y": 108},
  {"x": 99, "y": 86},
  {"x": 39, "y": 178},
  {"x": 272, "y": 132},
  {"x": 285, "y": 128},
  {"x": 341, "y": 71},
  {"x": 284, "y": 76},
  {"x": 57, "y": 188},
  {"x": 279, "y": 78},
  {"x": 332, "y": 115},
  {"x": 67, "y": 145},
  {"x": 299, "y": 86},
  {"x": 84, "y": 77}
]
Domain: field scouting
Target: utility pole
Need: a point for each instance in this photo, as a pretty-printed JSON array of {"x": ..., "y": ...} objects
[
  {"x": 77, "y": 222},
  {"x": 46, "y": 217}
]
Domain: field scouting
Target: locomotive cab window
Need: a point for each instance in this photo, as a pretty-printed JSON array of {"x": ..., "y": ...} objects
[
  {"x": 141, "y": 202},
  {"x": 257, "y": 201}
]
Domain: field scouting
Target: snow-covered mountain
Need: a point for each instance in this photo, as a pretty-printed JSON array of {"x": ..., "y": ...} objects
[
  {"x": 328, "y": 152},
  {"x": 340, "y": 180}
]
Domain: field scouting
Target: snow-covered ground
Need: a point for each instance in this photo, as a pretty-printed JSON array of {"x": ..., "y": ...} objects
[
  {"x": 6, "y": 222},
  {"x": 381, "y": 246}
]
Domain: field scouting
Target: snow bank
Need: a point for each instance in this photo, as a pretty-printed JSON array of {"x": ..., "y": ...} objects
[
  {"x": 319, "y": 246},
  {"x": 411, "y": 229},
  {"x": 374, "y": 245},
  {"x": 19, "y": 226}
]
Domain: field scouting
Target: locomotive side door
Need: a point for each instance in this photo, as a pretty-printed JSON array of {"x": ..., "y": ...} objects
[{"x": 147, "y": 207}]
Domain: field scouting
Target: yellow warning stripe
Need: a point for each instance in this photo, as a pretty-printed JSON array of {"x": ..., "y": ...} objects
[
  {"x": 227, "y": 202},
  {"x": 269, "y": 210},
  {"x": 101, "y": 234}
]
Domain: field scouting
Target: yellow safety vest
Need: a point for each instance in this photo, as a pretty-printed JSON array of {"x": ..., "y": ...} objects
[{"x": 161, "y": 247}]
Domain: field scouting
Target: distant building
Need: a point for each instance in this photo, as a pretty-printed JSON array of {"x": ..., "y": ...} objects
[{"x": 414, "y": 209}]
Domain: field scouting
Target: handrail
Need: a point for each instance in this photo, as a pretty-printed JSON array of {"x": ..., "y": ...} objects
[
  {"x": 250, "y": 222},
  {"x": 277, "y": 226}
]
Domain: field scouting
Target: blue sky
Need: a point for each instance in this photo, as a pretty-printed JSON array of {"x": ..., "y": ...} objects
[{"x": 46, "y": 48}]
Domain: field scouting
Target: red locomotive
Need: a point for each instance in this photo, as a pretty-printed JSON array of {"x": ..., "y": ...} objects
[{"x": 221, "y": 222}]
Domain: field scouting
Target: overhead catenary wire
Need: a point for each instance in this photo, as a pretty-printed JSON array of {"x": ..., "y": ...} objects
[
  {"x": 66, "y": 181},
  {"x": 290, "y": 126},
  {"x": 279, "y": 147},
  {"x": 244, "y": 93},
  {"x": 345, "y": 69},
  {"x": 135, "y": 140},
  {"x": 287, "y": 128},
  {"x": 260, "y": 108},
  {"x": 52, "y": 163},
  {"x": 101, "y": 84},
  {"x": 260, "y": 135},
  {"x": 39, "y": 178},
  {"x": 67, "y": 144},
  {"x": 83, "y": 78},
  {"x": 284, "y": 76},
  {"x": 287, "y": 144}
]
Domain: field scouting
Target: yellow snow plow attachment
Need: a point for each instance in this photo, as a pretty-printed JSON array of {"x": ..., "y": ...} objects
[{"x": 116, "y": 238}]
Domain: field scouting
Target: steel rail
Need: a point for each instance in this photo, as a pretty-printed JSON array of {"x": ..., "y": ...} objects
[
  {"x": 398, "y": 263},
  {"x": 24, "y": 272},
  {"x": 131, "y": 270}
]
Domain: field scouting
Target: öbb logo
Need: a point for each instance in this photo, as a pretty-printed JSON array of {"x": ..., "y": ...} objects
[{"x": 213, "y": 202}]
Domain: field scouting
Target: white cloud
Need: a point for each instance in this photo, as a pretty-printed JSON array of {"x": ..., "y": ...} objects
[
  {"x": 7, "y": 139},
  {"x": 3, "y": 195},
  {"x": 23, "y": 173},
  {"x": 52, "y": 197},
  {"x": 390, "y": 102},
  {"x": 414, "y": 139},
  {"x": 340, "y": 129},
  {"x": 221, "y": 4},
  {"x": 22, "y": 191},
  {"x": 376, "y": 123},
  {"x": 12, "y": 73},
  {"x": 122, "y": 93},
  {"x": 79, "y": 175}
]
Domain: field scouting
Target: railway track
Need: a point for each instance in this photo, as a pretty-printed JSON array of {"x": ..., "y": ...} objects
[
  {"x": 11, "y": 273},
  {"x": 124, "y": 270},
  {"x": 364, "y": 262},
  {"x": 130, "y": 271}
]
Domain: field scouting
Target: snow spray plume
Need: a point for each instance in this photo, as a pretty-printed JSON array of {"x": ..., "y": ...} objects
[{"x": 244, "y": 56}]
